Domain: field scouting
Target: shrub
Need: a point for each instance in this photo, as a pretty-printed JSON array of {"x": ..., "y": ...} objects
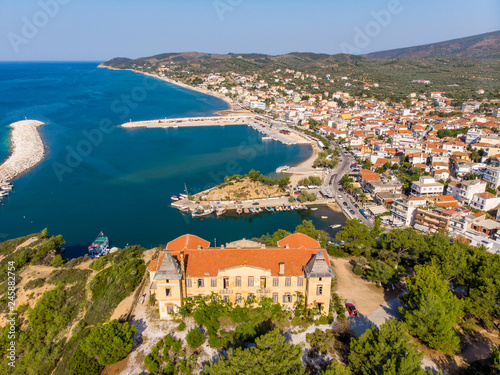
[
  {"x": 195, "y": 338},
  {"x": 58, "y": 260},
  {"x": 357, "y": 270},
  {"x": 181, "y": 327}
]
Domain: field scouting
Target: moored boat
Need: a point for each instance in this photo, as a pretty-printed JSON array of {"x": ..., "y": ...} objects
[
  {"x": 99, "y": 247},
  {"x": 174, "y": 198},
  {"x": 221, "y": 211},
  {"x": 203, "y": 211},
  {"x": 246, "y": 211},
  {"x": 335, "y": 226}
]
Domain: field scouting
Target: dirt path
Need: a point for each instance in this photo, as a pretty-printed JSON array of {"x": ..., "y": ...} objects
[{"x": 364, "y": 294}]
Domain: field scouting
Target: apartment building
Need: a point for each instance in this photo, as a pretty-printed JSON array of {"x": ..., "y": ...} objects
[
  {"x": 484, "y": 201},
  {"x": 297, "y": 269},
  {"x": 465, "y": 190},
  {"x": 492, "y": 176},
  {"x": 403, "y": 210},
  {"x": 426, "y": 186},
  {"x": 432, "y": 220}
]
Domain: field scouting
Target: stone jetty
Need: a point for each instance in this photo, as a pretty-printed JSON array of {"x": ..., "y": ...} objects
[{"x": 27, "y": 149}]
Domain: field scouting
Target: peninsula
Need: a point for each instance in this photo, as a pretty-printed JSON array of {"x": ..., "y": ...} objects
[{"x": 27, "y": 149}]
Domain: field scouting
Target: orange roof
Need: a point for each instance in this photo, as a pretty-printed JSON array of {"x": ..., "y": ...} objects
[
  {"x": 367, "y": 175},
  {"x": 187, "y": 241},
  {"x": 485, "y": 195},
  {"x": 154, "y": 264},
  {"x": 298, "y": 240}
]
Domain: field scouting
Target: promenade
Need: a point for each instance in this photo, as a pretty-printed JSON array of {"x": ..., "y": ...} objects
[{"x": 27, "y": 149}]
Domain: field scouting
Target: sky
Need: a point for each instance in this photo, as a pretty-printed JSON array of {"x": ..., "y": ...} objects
[{"x": 98, "y": 30}]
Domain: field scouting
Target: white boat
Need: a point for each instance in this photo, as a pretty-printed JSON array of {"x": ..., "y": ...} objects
[
  {"x": 334, "y": 226},
  {"x": 4, "y": 193},
  {"x": 313, "y": 208},
  {"x": 221, "y": 211},
  {"x": 6, "y": 187},
  {"x": 239, "y": 210},
  {"x": 203, "y": 211},
  {"x": 282, "y": 168},
  {"x": 324, "y": 217},
  {"x": 174, "y": 198},
  {"x": 267, "y": 138}
]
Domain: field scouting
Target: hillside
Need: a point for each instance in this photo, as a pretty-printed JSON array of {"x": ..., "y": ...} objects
[{"x": 477, "y": 46}]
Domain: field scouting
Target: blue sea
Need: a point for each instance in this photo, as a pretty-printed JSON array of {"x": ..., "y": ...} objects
[{"x": 97, "y": 176}]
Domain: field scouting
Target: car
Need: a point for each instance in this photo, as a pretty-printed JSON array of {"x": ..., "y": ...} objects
[
  {"x": 238, "y": 202},
  {"x": 296, "y": 193},
  {"x": 340, "y": 196},
  {"x": 255, "y": 203},
  {"x": 345, "y": 204},
  {"x": 352, "y": 309},
  {"x": 352, "y": 211},
  {"x": 356, "y": 205}
]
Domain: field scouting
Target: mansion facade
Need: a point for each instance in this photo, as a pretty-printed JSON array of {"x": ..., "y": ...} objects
[{"x": 298, "y": 268}]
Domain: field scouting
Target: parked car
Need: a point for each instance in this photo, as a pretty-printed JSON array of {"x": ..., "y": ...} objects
[
  {"x": 345, "y": 204},
  {"x": 351, "y": 211},
  {"x": 352, "y": 309},
  {"x": 255, "y": 203},
  {"x": 356, "y": 205}
]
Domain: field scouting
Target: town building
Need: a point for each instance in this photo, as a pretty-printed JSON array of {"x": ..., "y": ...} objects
[
  {"x": 297, "y": 269},
  {"x": 465, "y": 190},
  {"x": 426, "y": 186}
]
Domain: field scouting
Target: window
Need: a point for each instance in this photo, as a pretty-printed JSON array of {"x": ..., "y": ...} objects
[
  {"x": 250, "y": 280},
  {"x": 226, "y": 282},
  {"x": 238, "y": 298},
  {"x": 167, "y": 292},
  {"x": 287, "y": 298},
  {"x": 276, "y": 281},
  {"x": 288, "y": 281},
  {"x": 320, "y": 279},
  {"x": 189, "y": 283},
  {"x": 201, "y": 283},
  {"x": 213, "y": 282},
  {"x": 275, "y": 297},
  {"x": 238, "y": 281},
  {"x": 282, "y": 268},
  {"x": 262, "y": 283},
  {"x": 300, "y": 281},
  {"x": 319, "y": 290},
  {"x": 226, "y": 299},
  {"x": 170, "y": 309}
]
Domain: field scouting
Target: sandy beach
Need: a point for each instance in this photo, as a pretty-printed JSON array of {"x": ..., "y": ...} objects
[{"x": 27, "y": 149}]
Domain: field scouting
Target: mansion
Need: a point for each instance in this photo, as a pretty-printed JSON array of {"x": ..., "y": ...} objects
[{"x": 242, "y": 270}]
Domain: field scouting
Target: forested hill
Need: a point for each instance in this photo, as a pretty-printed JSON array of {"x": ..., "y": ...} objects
[{"x": 477, "y": 46}]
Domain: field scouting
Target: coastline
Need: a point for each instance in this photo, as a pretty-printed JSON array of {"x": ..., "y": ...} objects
[
  {"x": 27, "y": 149},
  {"x": 181, "y": 84}
]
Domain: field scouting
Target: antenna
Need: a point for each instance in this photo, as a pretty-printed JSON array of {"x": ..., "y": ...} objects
[{"x": 215, "y": 242}]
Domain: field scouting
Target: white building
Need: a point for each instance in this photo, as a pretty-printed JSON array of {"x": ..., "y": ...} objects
[
  {"x": 404, "y": 210},
  {"x": 426, "y": 186},
  {"x": 465, "y": 190},
  {"x": 484, "y": 201},
  {"x": 492, "y": 176}
]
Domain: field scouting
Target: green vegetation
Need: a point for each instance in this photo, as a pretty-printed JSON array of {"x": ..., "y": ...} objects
[
  {"x": 311, "y": 180},
  {"x": 195, "y": 338},
  {"x": 387, "y": 350},
  {"x": 271, "y": 355},
  {"x": 453, "y": 133},
  {"x": 305, "y": 196},
  {"x": 109, "y": 343}
]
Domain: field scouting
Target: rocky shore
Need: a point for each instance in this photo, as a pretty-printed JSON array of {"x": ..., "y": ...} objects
[{"x": 27, "y": 149}]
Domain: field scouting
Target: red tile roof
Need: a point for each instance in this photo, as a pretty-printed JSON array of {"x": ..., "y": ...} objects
[
  {"x": 187, "y": 241},
  {"x": 298, "y": 240}
]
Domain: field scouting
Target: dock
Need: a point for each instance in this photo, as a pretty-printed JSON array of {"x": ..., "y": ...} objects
[{"x": 248, "y": 120}]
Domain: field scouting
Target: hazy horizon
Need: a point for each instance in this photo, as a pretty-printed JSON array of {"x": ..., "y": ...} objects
[{"x": 71, "y": 30}]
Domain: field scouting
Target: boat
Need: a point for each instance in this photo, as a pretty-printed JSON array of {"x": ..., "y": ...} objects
[
  {"x": 334, "y": 226},
  {"x": 203, "y": 211},
  {"x": 183, "y": 196},
  {"x": 239, "y": 210},
  {"x": 6, "y": 187},
  {"x": 99, "y": 247},
  {"x": 324, "y": 217},
  {"x": 246, "y": 211},
  {"x": 221, "y": 211},
  {"x": 313, "y": 208},
  {"x": 268, "y": 209},
  {"x": 174, "y": 198},
  {"x": 183, "y": 208},
  {"x": 252, "y": 210},
  {"x": 282, "y": 168},
  {"x": 267, "y": 138},
  {"x": 4, "y": 193},
  {"x": 258, "y": 209}
]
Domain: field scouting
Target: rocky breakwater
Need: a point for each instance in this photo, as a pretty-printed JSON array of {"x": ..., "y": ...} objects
[{"x": 27, "y": 149}]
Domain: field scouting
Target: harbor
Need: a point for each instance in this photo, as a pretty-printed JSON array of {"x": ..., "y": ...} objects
[
  {"x": 27, "y": 150},
  {"x": 266, "y": 128}
]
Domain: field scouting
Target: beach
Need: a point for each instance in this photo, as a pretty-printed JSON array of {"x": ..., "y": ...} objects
[{"x": 27, "y": 149}]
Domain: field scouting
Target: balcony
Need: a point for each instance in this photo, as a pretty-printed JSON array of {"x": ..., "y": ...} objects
[
  {"x": 263, "y": 291},
  {"x": 226, "y": 291}
]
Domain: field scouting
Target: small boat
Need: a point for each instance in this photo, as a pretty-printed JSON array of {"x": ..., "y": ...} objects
[
  {"x": 267, "y": 138},
  {"x": 99, "y": 247},
  {"x": 246, "y": 211},
  {"x": 282, "y": 168},
  {"x": 334, "y": 226},
  {"x": 239, "y": 210},
  {"x": 252, "y": 210},
  {"x": 183, "y": 196},
  {"x": 258, "y": 209},
  {"x": 268, "y": 209},
  {"x": 6, "y": 187},
  {"x": 313, "y": 208},
  {"x": 324, "y": 217},
  {"x": 221, "y": 211},
  {"x": 4, "y": 193},
  {"x": 279, "y": 208},
  {"x": 174, "y": 198},
  {"x": 203, "y": 211}
]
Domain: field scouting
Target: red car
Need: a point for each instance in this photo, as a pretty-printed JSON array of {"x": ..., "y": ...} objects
[{"x": 351, "y": 308}]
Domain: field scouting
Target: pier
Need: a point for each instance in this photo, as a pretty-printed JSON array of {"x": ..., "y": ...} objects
[
  {"x": 28, "y": 149},
  {"x": 273, "y": 132}
]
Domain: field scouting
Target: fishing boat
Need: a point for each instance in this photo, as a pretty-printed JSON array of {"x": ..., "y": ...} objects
[
  {"x": 221, "y": 211},
  {"x": 334, "y": 226},
  {"x": 99, "y": 247},
  {"x": 246, "y": 211},
  {"x": 239, "y": 210},
  {"x": 203, "y": 211},
  {"x": 174, "y": 198}
]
